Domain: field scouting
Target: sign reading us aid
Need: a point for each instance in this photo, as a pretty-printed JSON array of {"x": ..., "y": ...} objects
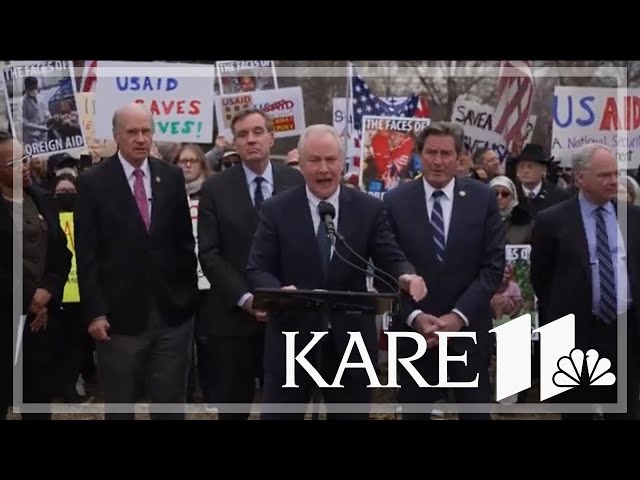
[{"x": 562, "y": 366}]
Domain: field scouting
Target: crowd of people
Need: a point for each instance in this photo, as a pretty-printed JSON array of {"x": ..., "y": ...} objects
[{"x": 143, "y": 329}]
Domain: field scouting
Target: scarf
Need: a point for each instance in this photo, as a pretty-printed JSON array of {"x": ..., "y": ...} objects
[{"x": 195, "y": 186}]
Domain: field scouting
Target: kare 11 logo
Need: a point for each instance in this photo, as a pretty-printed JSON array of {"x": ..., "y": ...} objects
[{"x": 562, "y": 366}]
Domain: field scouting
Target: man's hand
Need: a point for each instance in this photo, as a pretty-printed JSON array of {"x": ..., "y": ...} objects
[
  {"x": 248, "y": 306},
  {"x": 427, "y": 325},
  {"x": 451, "y": 322},
  {"x": 260, "y": 315},
  {"x": 99, "y": 328},
  {"x": 40, "y": 320},
  {"x": 414, "y": 285},
  {"x": 39, "y": 301},
  {"x": 290, "y": 287}
]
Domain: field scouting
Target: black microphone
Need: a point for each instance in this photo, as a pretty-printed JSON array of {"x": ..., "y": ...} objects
[{"x": 327, "y": 214}]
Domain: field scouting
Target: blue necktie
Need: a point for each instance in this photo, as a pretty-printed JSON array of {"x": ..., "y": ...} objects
[
  {"x": 258, "y": 198},
  {"x": 437, "y": 224},
  {"x": 608, "y": 299}
]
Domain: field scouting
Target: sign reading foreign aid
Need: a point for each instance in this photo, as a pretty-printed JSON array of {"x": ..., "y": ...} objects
[{"x": 609, "y": 116}]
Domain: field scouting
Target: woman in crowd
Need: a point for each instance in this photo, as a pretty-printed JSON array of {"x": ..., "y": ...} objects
[
  {"x": 30, "y": 213},
  {"x": 72, "y": 345},
  {"x": 518, "y": 221},
  {"x": 191, "y": 159}
]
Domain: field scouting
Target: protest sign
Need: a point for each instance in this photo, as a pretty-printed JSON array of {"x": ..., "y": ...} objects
[
  {"x": 71, "y": 291},
  {"x": 389, "y": 152},
  {"x": 583, "y": 115},
  {"x": 179, "y": 96},
  {"x": 43, "y": 107},
  {"x": 246, "y": 76},
  {"x": 285, "y": 107},
  {"x": 515, "y": 296},
  {"x": 478, "y": 122}
]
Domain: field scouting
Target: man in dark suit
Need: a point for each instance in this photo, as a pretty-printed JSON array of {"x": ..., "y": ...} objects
[
  {"x": 137, "y": 268},
  {"x": 291, "y": 250},
  {"x": 451, "y": 231},
  {"x": 534, "y": 191},
  {"x": 585, "y": 260},
  {"x": 30, "y": 213},
  {"x": 228, "y": 213}
]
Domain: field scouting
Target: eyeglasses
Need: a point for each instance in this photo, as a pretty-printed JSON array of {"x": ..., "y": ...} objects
[
  {"x": 24, "y": 161},
  {"x": 503, "y": 194},
  {"x": 184, "y": 161}
]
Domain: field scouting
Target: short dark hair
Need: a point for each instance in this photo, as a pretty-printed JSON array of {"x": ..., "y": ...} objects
[
  {"x": 30, "y": 83},
  {"x": 478, "y": 154},
  {"x": 250, "y": 111},
  {"x": 442, "y": 129}
]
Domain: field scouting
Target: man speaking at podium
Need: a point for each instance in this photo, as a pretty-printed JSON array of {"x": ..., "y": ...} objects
[{"x": 291, "y": 250}]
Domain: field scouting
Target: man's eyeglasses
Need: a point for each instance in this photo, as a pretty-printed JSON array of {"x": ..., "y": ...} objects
[
  {"x": 24, "y": 161},
  {"x": 502, "y": 193}
]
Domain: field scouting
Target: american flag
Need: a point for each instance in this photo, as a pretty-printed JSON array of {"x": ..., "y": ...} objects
[
  {"x": 366, "y": 103},
  {"x": 515, "y": 94},
  {"x": 89, "y": 76}
]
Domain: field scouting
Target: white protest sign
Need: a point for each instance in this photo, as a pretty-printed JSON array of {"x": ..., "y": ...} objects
[
  {"x": 180, "y": 97},
  {"x": 478, "y": 122},
  {"x": 584, "y": 115}
]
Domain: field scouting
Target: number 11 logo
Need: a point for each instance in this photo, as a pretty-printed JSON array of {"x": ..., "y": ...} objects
[{"x": 562, "y": 366}]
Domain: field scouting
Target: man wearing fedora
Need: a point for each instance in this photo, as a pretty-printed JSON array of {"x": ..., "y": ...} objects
[{"x": 534, "y": 190}]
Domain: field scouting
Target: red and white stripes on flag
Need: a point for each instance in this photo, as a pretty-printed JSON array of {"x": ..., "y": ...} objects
[
  {"x": 89, "y": 76},
  {"x": 515, "y": 95}
]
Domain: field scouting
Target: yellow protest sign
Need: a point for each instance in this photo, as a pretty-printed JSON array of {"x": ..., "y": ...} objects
[{"x": 71, "y": 292}]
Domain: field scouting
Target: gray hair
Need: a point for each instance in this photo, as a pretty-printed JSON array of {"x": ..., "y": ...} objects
[
  {"x": 583, "y": 155},
  {"x": 320, "y": 129}
]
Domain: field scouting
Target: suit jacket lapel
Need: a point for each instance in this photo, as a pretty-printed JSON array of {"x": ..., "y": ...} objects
[
  {"x": 423, "y": 231},
  {"x": 577, "y": 236},
  {"x": 158, "y": 190},
  {"x": 245, "y": 205},
  {"x": 462, "y": 209},
  {"x": 122, "y": 192},
  {"x": 306, "y": 230},
  {"x": 347, "y": 222},
  {"x": 278, "y": 180}
]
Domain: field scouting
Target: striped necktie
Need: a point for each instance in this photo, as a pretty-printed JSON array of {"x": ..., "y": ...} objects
[
  {"x": 437, "y": 224},
  {"x": 608, "y": 299}
]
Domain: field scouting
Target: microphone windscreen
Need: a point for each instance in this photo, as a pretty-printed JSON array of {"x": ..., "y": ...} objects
[{"x": 325, "y": 208}]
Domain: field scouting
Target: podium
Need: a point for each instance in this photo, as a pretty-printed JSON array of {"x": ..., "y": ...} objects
[{"x": 275, "y": 299}]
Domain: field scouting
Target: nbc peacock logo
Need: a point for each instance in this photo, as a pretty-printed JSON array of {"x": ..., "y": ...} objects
[
  {"x": 579, "y": 369},
  {"x": 559, "y": 371}
]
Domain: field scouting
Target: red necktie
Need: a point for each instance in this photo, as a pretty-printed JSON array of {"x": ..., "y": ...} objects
[{"x": 141, "y": 197}]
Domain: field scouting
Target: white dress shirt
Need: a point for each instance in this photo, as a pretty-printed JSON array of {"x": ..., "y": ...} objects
[
  {"x": 446, "y": 202},
  {"x": 535, "y": 191},
  {"x": 146, "y": 177},
  {"x": 267, "y": 191}
]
